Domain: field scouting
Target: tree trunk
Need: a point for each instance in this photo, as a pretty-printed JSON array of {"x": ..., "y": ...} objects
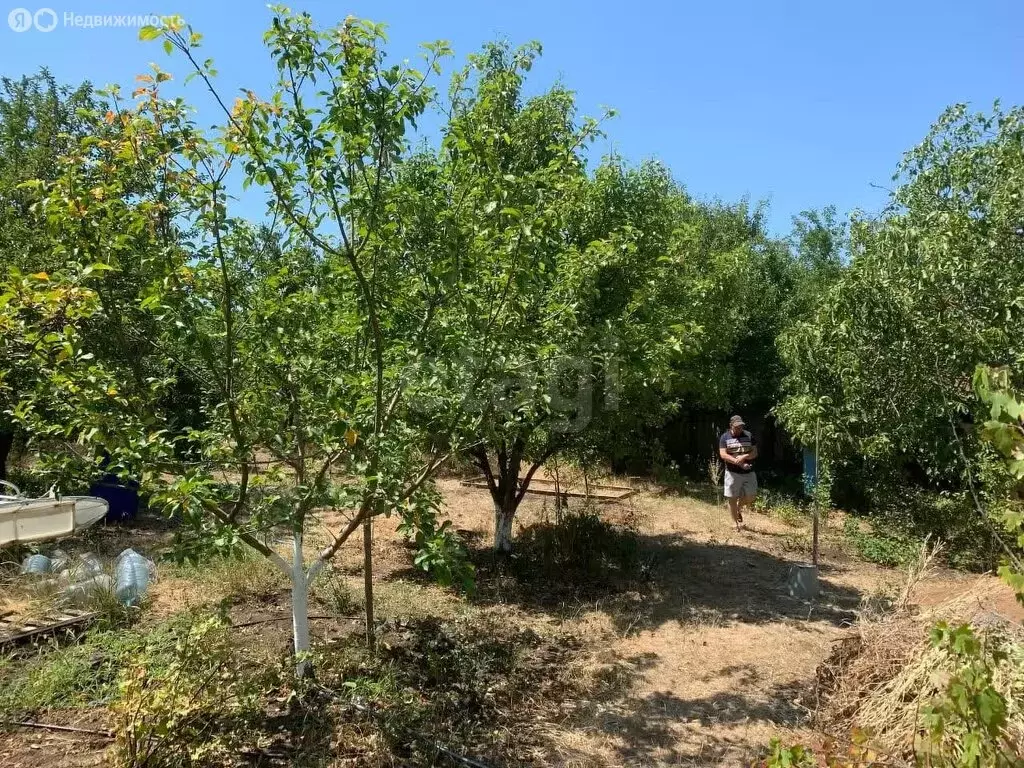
[
  {"x": 6, "y": 441},
  {"x": 505, "y": 487},
  {"x": 503, "y": 518},
  {"x": 506, "y": 497},
  {"x": 300, "y": 608},
  {"x": 368, "y": 580}
]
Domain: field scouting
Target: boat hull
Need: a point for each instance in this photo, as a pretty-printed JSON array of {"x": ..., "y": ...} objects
[{"x": 28, "y": 520}]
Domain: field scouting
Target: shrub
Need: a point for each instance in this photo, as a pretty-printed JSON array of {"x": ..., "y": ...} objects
[
  {"x": 881, "y": 546},
  {"x": 968, "y": 723},
  {"x": 189, "y": 708},
  {"x": 582, "y": 550}
]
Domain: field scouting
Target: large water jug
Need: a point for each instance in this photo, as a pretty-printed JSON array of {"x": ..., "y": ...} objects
[
  {"x": 133, "y": 572},
  {"x": 37, "y": 564}
]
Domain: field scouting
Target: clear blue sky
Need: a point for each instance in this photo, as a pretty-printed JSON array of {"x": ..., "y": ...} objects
[{"x": 800, "y": 103}]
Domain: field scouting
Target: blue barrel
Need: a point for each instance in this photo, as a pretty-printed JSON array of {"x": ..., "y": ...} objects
[
  {"x": 810, "y": 471},
  {"x": 122, "y": 498}
]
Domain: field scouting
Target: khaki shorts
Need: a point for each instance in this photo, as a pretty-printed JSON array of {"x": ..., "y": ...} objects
[{"x": 739, "y": 485}]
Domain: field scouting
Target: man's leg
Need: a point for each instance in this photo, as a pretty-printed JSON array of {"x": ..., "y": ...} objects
[
  {"x": 732, "y": 495},
  {"x": 748, "y": 492},
  {"x": 734, "y": 510}
]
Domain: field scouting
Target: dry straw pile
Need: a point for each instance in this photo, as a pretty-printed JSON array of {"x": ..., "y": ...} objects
[{"x": 879, "y": 679}]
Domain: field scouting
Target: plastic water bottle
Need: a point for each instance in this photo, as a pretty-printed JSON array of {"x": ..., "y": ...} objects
[
  {"x": 37, "y": 564},
  {"x": 88, "y": 565},
  {"x": 133, "y": 573},
  {"x": 59, "y": 560},
  {"x": 79, "y": 594}
]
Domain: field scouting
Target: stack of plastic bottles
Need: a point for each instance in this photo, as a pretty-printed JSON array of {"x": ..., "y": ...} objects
[{"x": 79, "y": 578}]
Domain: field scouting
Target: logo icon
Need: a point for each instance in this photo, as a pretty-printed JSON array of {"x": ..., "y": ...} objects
[
  {"x": 20, "y": 19},
  {"x": 45, "y": 19}
]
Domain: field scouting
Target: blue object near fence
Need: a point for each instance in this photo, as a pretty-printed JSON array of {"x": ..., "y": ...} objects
[
  {"x": 810, "y": 471},
  {"x": 122, "y": 498}
]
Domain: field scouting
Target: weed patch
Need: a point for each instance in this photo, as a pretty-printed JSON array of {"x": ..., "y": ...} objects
[
  {"x": 84, "y": 674},
  {"x": 193, "y": 704},
  {"x": 881, "y": 546},
  {"x": 80, "y": 675},
  {"x": 475, "y": 686},
  {"x": 783, "y": 508},
  {"x": 242, "y": 576}
]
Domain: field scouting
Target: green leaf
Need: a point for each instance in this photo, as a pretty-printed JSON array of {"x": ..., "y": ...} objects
[{"x": 149, "y": 32}]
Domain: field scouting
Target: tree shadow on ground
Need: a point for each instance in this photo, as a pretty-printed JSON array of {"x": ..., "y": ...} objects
[
  {"x": 646, "y": 730},
  {"x": 644, "y": 581},
  {"x": 662, "y": 728}
]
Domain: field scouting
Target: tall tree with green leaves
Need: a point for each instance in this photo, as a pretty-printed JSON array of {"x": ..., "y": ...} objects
[
  {"x": 572, "y": 267},
  {"x": 933, "y": 288},
  {"x": 304, "y": 337},
  {"x": 39, "y": 122},
  {"x": 1003, "y": 429}
]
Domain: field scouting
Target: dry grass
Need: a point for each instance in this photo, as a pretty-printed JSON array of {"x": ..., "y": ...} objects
[{"x": 878, "y": 679}]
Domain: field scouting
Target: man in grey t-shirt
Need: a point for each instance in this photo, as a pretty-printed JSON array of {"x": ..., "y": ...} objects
[{"x": 738, "y": 449}]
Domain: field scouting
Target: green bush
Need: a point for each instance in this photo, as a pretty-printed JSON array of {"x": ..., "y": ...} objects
[
  {"x": 949, "y": 516},
  {"x": 968, "y": 723},
  {"x": 882, "y": 546},
  {"x": 582, "y": 549},
  {"x": 195, "y": 706}
]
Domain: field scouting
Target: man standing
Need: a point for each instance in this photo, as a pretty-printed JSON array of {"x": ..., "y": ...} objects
[{"x": 738, "y": 449}]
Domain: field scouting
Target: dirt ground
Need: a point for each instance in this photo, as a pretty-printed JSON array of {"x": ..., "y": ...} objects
[
  {"x": 701, "y": 666},
  {"x": 716, "y": 658}
]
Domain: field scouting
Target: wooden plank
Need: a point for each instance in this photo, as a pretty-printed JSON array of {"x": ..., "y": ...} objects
[
  {"x": 547, "y": 488},
  {"x": 599, "y": 486},
  {"x": 28, "y": 632}
]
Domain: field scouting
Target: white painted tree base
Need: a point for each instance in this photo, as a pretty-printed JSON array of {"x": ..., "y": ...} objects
[{"x": 803, "y": 581}]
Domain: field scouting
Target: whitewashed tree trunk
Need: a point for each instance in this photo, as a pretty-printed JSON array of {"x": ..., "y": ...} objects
[
  {"x": 300, "y": 607},
  {"x": 503, "y": 529}
]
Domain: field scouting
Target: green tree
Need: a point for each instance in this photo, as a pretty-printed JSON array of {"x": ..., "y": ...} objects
[
  {"x": 303, "y": 337},
  {"x": 1004, "y": 430},
  {"x": 570, "y": 271},
  {"x": 932, "y": 289},
  {"x": 39, "y": 121}
]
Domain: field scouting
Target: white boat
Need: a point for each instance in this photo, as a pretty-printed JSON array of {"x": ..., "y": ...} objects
[{"x": 26, "y": 520}]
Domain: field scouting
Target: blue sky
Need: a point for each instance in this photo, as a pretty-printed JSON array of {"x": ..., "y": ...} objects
[{"x": 801, "y": 104}]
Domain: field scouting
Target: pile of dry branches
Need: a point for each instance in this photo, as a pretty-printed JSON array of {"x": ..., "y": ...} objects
[{"x": 879, "y": 678}]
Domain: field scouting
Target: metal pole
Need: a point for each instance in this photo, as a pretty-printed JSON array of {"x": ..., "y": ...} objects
[{"x": 817, "y": 494}]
